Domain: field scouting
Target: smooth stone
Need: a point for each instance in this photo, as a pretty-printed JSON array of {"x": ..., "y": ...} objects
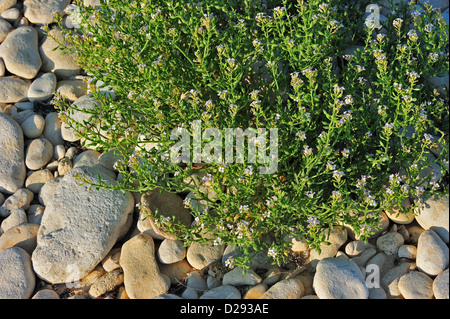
[
  {"x": 46, "y": 294},
  {"x": 35, "y": 213},
  {"x": 64, "y": 166},
  {"x": 400, "y": 218},
  {"x": 17, "y": 217},
  {"x": 37, "y": 179},
  {"x": 71, "y": 90},
  {"x": 41, "y": 12},
  {"x": 364, "y": 257},
  {"x": 2, "y": 199},
  {"x": 14, "y": 89},
  {"x": 256, "y": 292},
  {"x": 108, "y": 159},
  {"x": 167, "y": 297},
  {"x": 52, "y": 129},
  {"x": 20, "y": 52},
  {"x": 5, "y": 27},
  {"x": 20, "y": 199},
  {"x": 111, "y": 261},
  {"x": 285, "y": 289},
  {"x": 236, "y": 277},
  {"x": 176, "y": 272},
  {"x": 377, "y": 293},
  {"x": 42, "y": 88},
  {"x": 201, "y": 255},
  {"x": 189, "y": 293},
  {"x": 6, "y": 4},
  {"x": 12, "y": 165},
  {"x": 336, "y": 278},
  {"x": 17, "y": 280},
  {"x": 33, "y": 126},
  {"x": 38, "y": 153},
  {"x": 356, "y": 247},
  {"x": 441, "y": 285},
  {"x": 440, "y": 83},
  {"x": 25, "y": 106},
  {"x": 2, "y": 69},
  {"x": 63, "y": 66},
  {"x": 162, "y": 204},
  {"x": 106, "y": 283},
  {"x": 337, "y": 236},
  {"x": 272, "y": 275},
  {"x": 171, "y": 251},
  {"x": 23, "y": 236},
  {"x": 58, "y": 152},
  {"x": 195, "y": 281},
  {"x": 435, "y": 216},
  {"x": 78, "y": 115},
  {"x": 142, "y": 277},
  {"x": 407, "y": 251},
  {"x": 90, "y": 158},
  {"x": 222, "y": 292},
  {"x": 432, "y": 253},
  {"x": 390, "y": 243},
  {"x": 80, "y": 226},
  {"x": 11, "y": 15},
  {"x": 389, "y": 281},
  {"x": 416, "y": 285}
]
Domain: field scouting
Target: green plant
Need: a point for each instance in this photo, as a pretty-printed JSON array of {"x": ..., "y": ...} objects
[{"x": 344, "y": 152}]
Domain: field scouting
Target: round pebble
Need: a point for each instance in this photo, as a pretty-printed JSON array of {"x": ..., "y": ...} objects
[
  {"x": 33, "y": 126},
  {"x": 416, "y": 285}
]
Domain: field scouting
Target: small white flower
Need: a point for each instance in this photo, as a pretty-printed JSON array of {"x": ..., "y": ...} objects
[{"x": 313, "y": 221}]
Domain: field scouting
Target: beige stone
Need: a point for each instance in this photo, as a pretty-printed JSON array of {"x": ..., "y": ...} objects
[{"x": 142, "y": 277}]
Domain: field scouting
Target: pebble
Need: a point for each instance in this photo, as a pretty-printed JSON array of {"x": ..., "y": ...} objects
[
  {"x": 285, "y": 289},
  {"x": 336, "y": 278},
  {"x": 46, "y": 294},
  {"x": 20, "y": 52},
  {"x": 390, "y": 243},
  {"x": 337, "y": 237},
  {"x": 255, "y": 292},
  {"x": 432, "y": 253},
  {"x": 63, "y": 66},
  {"x": 14, "y": 89},
  {"x": 176, "y": 272},
  {"x": 438, "y": 4},
  {"x": 166, "y": 205},
  {"x": 196, "y": 282},
  {"x": 42, "y": 88},
  {"x": 33, "y": 126},
  {"x": 86, "y": 102},
  {"x": 356, "y": 247},
  {"x": 23, "y": 236},
  {"x": 441, "y": 285},
  {"x": 37, "y": 179},
  {"x": 222, "y": 292},
  {"x": 38, "y": 153},
  {"x": 4, "y": 29},
  {"x": 58, "y": 152},
  {"x": 6, "y": 4},
  {"x": 435, "y": 216},
  {"x": 407, "y": 251},
  {"x": 12, "y": 166},
  {"x": 64, "y": 166},
  {"x": 52, "y": 129},
  {"x": 362, "y": 259},
  {"x": 111, "y": 261},
  {"x": 17, "y": 280},
  {"x": 201, "y": 255},
  {"x": 71, "y": 90},
  {"x": 142, "y": 278},
  {"x": 106, "y": 283},
  {"x": 11, "y": 15},
  {"x": 83, "y": 221},
  {"x": 400, "y": 218},
  {"x": 389, "y": 281},
  {"x": 20, "y": 199},
  {"x": 416, "y": 285},
  {"x": 17, "y": 217},
  {"x": 236, "y": 277},
  {"x": 171, "y": 251},
  {"x": 34, "y": 214},
  {"x": 41, "y": 13}
]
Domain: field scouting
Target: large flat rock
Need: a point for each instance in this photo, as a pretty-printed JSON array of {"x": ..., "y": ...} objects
[{"x": 79, "y": 227}]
